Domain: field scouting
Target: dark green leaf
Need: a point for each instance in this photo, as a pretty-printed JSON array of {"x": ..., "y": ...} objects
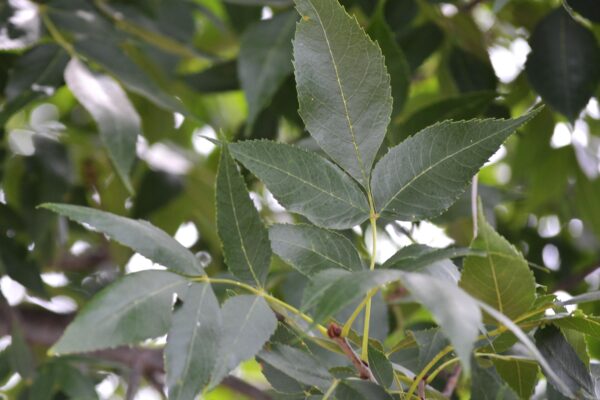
[
  {"x": 465, "y": 106},
  {"x": 221, "y": 77},
  {"x": 562, "y": 64},
  {"x": 486, "y": 384},
  {"x": 20, "y": 354},
  {"x": 248, "y": 323},
  {"x": 429, "y": 343},
  {"x": 264, "y": 61},
  {"x": 352, "y": 389},
  {"x": 395, "y": 60},
  {"x": 470, "y": 73},
  {"x": 58, "y": 378},
  {"x": 442, "y": 159},
  {"x": 298, "y": 365},
  {"x": 564, "y": 362},
  {"x": 343, "y": 86},
  {"x": 36, "y": 74},
  {"x": 587, "y": 8},
  {"x": 134, "y": 308},
  {"x": 381, "y": 367},
  {"x": 275, "y": 3},
  {"x": 139, "y": 235},
  {"x": 502, "y": 278},
  {"x": 310, "y": 249},
  {"x": 193, "y": 342},
  {"x": 420, "y": 42},
  {"x": 520, "y": 374},
  {"x": 118, "y": 122},
  {"x": 305, "y": 183},
  {"x": 245, "y": 239}
]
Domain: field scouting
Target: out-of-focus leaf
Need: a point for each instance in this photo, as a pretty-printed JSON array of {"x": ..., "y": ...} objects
[
  {"x": 118, "y": 122},
  {"x": 245, "y": 239},
  {"x": 343, "y": 86},
  {"x": 310, "y": 249},
  {"x": 520, "y": 374},
  {"x": 562, "y": 64},
  {"x": 19, "y": 25},
  {"x": 16, "y": 262},
  {"x": 305, "y": 183},
  {"x": 399, "y": 14},
  {"x": 581, "y": 323},
  {"x": 420, "y": 42},
  {"x": 587, "y": 8},
  {"x": 156, "y": 190},
  {"x": 221, "y": 77},
  {"x": 501, "y": 278},
  {"x": 264, "y": 61},
  {"x": 139, "y": 235},
  {"x": 360, "y": 390},
  {"x": 193, "y": 342},
  {"x": 461, "y": 107},
  {"x": 470, "y": 73},
  {"x": 58, "y": 378},
  {"x": 36, "y": 74},
  {"x": 418, "y": 257},
  {"x": 395, "y": 60},
  {"x": 20, "y": 354},
  {"x": 486, "y": 384},
  {"x": 564, "y": 362},
  {"x": 136, "y": 307},
  {"x": 248, "y": 323},
  {"x": 298, "y": 365},
  {"x": 443, "y": 158},
  {"x": 274, "y": 3}
]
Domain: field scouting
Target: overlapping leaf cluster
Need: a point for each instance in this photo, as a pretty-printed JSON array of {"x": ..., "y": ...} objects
[{"x": 351, "y": 85}]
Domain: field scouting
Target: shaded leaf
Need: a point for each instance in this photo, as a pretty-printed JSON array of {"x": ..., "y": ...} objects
[
  {"x": 221, "y": 77},
  {"x": 298, "y": 365},
  {"x": 245, "y": 239},
  {"x": 248, "y": 323},
  {"x": 486, "y": 384},
  {"x": 442, "y": 159},
  {"x": 353, "y": 389},
  {"x": 58, "y": 378},
  {"x": 502, "y": 278},
  {"x": 305, "y": 183},
  {"x": 429, "y": 343},
  {"x": 264, "y": 61},
  {"x": 136, "y": 307},
  {"x": 310, "y": 249},
  {"x": 395, "y": 60},
  {"x": 381, "y": 367},
  {"x": 193, "y": 342},
  {"x": 343, "y": 86},
  {"x": 139, "y": 235},
  {"x": 581, "y": 323},
  {"x": 564, "y": 362},
  {"x": 465, "y": 106},
  {"x": 36, "y": 74},
  {"x": 420, "y": 42},
  {"x": 562, "y": 64},
  {"x": 470, "y": 73},
  {"x": 520, "y": 374},
  {"x": 118, "y": 122}
]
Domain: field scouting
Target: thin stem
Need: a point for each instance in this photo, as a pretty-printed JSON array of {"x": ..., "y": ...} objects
[
  {"x": 55, "y": 33},
  {"x": 266, "y": 296},
  {"x": 356, "y": 312},
  {"x": 373, "y": 219},
  {"x": 331, "y": 389},
  {"x": 442, "y": 367},
  {"x": 474, "y": 189},
  {"x": 424, "y": 371}
]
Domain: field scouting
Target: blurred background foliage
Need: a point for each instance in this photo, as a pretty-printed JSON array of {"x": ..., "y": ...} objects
[{"x": 196, "y": 68}]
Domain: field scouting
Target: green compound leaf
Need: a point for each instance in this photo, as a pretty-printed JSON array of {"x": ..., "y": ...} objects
[
  {"x": 563, "y": 64},
  {"x": 343, "y": 86},
  {"x": 118, "y": 122},
  {"x": 432, "y": 168},
  {"x": 248, "y": 323},
  {"x": 520, "y": 374},
  {"x": 310, "y": 249},
  {"x": 305, "y": 183},
  {"x": 245, "y": 240},
  {"x": 265, "y": 61},
  {"x": 502, "y": 278},
  {"x": 193, "y": 342},
  {"x": 141, "y": 236},
  {"x": 136, "y": 307},
  {"x": 297, "y": 364}
]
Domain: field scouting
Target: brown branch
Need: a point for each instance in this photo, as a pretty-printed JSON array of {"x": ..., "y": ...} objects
[
  {"x": 44, "y": 328},
  {"x": 452, "y": 382},
  {"x": 335, "y": 333}
]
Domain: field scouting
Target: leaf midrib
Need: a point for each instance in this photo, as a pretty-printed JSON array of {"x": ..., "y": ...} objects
[{"x": 442, "y": 160}]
